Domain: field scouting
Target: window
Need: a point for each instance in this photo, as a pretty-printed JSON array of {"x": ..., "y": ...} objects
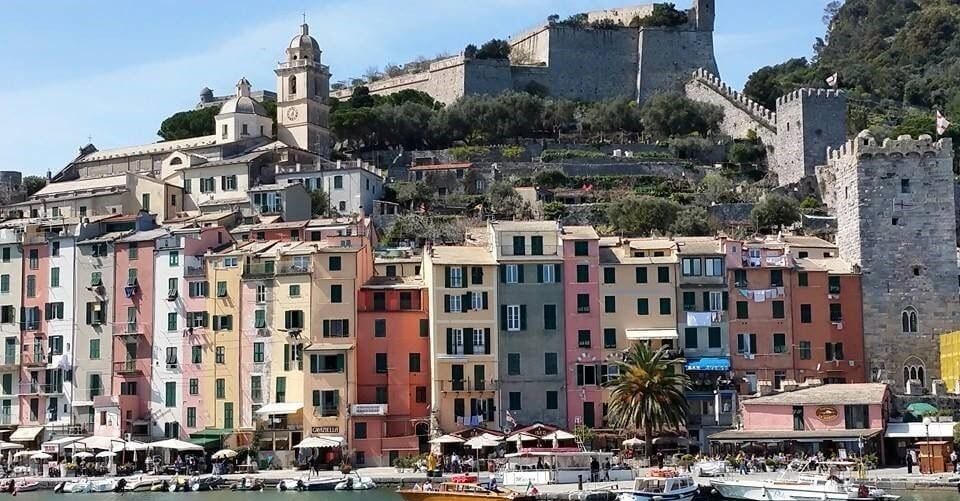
[
  {"x": 513, "y": 364},
  {"x": 414, "y": 362},
  {"x": 191, "y": 417},
  {"x": 778, "y": 311},
  {"x": 202, "y": 289},
  {"x": 380, "y": 327},
  {"x": 643, "y": 306},
  {"x": 833, "y": 286},
  {"x": 834, "y": 351},
  {"x": 904, "y": 186},
  {"x": 456, "y": 276},
  {"x": 34, "y": 259},
  {"x": 336, "y": 328},
  {"x": 381, "y": 363},
  {"x": 334, "y": 263},
  {"x": 798, "y": 424},
  {"x": 512, "y": 273},
  {"x": 338, "y": 182},
  {"x": 805, "y": 350},
  {"x": 132, "y": 250},
  {"x": 513, "y": 317},
  {"x": 536, "y": 245},
  {"x": 776, "y": 278},
  {"x": 94, "y": 349},
  {"x": 908, "y": 320},
  {"x": 222, "y": 289},
  {"x": 663, "y": 274},
  {"x": 222, "y": 322},
  {"x": 836, "y": 312},
  {"x": 476, "y": 274},
  {"x": 690, "y": 337},
  {"x": 170, "y": 394},
  {"x": 55, "y": 345},
  {"x": 740, "y": 278},
  {"x": 424, "y": 327},
  {"x": 221, "y": 388},
  {"x": 549, "y": 317},
  {"x": 128, "y": 388},
  {"x": 359, "y": 431},
  {"x": 610, "y": 338},
  {"x": 747, "y": 344},
  {"x": 609, "y": 304},
  {"x": 228, "y": 183},
  {"x": 583, "y": 338},
  {"x": 476, "y": 301},
  {"x": 55, "y": 277},
  {"x": 691, "y": 267},
  {"x": 515, "y": 399},
  {"x": 336, "y": 294},
  {"x": 4, "y": 284},
  {"x": 31, "y": 286},
  {"x": 172, "y": 321},
  {"x": 583, "y": 303},
  {"x": 664, "y": 306},
  {"x": 294, "y": 291},
  {"x": 552, "y": 400},
  {"x": 583, "y": 273},
  {"x": 55, "y": 249},
  {"x": 856, "y": 417},
  {"x": 581, "y": 248},
  {"x": 713, "y": 267},
  {"x": 220, "y": 355},
  {"x": 229, "y": 262},
  {"x": 257, "y": 352},
  {"x": 689, "y": 301},
  {"x": 742, "y": 310},
  {"x": 421, "y": 394},
  {"x": 609, "y": 275},
  {"x": 5, "y": 254},
  {"x": 714, "y": 338},
  {"x": 779, "y": 342},
  {"x": 717, "y": 302},
  {"x": 806, "y": 314},
  {"x": 280, "y": 389},
  {"x": 53, "y": 311},
  {"x": 550, "y": 364},
  {"x": 196, "y": 354},
  {"x": 641, "y": 274},
  {"x": 803, "y": 279},
  {"x": 260, "y": 319}
]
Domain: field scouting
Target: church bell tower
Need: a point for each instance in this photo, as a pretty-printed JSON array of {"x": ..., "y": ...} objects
[{"x": 303, "y": 90}]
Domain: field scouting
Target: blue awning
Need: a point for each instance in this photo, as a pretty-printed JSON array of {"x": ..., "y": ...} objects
[{"x": 714, "y": 364}]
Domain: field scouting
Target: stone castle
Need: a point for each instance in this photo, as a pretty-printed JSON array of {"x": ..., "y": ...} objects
[{"x": 580, "y": 63}]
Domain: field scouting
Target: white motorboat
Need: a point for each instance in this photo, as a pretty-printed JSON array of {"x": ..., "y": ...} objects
[
  {"x": 664, "y": 488},
  {"x": 354, "y": 482},
  {"x": 710, "y": 468},
  {"x": 85, "y": 485},
  {"x": 799, "y": 486}
]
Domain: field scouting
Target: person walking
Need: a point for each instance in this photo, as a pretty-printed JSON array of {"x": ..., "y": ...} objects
[
  {"x": 606, "y": 470},
  {"x": 910, "y": 461},
  {"x": 954, "y": 459}
]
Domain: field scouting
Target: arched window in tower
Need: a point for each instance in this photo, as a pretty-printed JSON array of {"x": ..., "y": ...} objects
[
  {"x": 908, "y": 320},
  {"x": 293, "y": 84},
  {"x": 913, "y": 370}
]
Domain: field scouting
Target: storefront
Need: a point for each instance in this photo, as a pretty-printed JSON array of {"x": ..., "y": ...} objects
[{"x": 901, "y": 436}]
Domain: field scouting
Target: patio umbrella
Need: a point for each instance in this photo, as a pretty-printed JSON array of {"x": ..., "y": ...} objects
[
  {"x": 224, "y": 454},
  {"x": 921, "y": 409},
  {"x": 447, "y": 439},
  {"x": 632, "y": 442},
  {"x": 177, "y": 445},
  {"x": 4, "y": 446},
  {"x": 477, "y": 443},
  {"x": 106, "y": 454},
  {"x": 39, "y": 456},
  {"x": 22, "y": 454},
  {"x": 83, "y": 455},
  {"x": 318, "y": 443}
]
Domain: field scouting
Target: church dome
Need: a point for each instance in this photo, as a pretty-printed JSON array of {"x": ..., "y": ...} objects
[
  {"x": 304, "y": 42},
  {"x": 242, "y": 102}
]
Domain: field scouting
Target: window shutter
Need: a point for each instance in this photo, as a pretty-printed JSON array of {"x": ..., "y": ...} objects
[
  {"x": 485, "y": 305},
  {"x": 740, "y": 346},
  {"x": 446, "y": 303},
  {"x": 523, "y": 317},
  {"x": 346, "y": 327},
  {"x": 463, "y": 276},
  {"x": 556, "y": 272},
  {"x": 326, "y": 328},
  {"x": 753, "y": 344},
  {"x": 286, "y": 357},
  {"x": 341, "y": 362},
  {"x": 828, "y": 349},
  {"x": 503, "y": 273},
  {"x": 491, "y": 408},
  {"x": 467, "y": 341},
  {"x": 89, "y": 313},
  {"x": 539, "y": 273},
  {"x": 449, "y": 341},
  {"x": 520, "y": 268},
  {"x": 725, "y": 299},
  {"x": 486, "y": 341},
  {"x": 706, "y": 301},
  {"x": 465, "y": 303},
  {"x": 503, "y": 316},
  {"x": 446, "y": 276},
  {"x": 316, "y": 398},
  {"x": 579, "y": 375}
]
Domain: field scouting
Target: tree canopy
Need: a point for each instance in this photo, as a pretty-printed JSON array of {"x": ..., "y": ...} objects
[
  {"x": 775, "y": 212},
  {"x": 641, "y": 215},
  {"x": 187, "y": 124},
  {"x": 669, "y": 115},
  {"x": 33, "y": 184}
]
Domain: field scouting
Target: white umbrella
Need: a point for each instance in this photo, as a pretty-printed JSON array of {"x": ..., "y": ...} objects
[
  {"x": 5, "y": 446},
  {"x": 40, "y": 456},
  {"x": 318, "y": 443},
  {"x": 83, "y": 455},
  {"x": 522, "y": 437},
  {"x": 224, "y": 454},
  {"x": 447, "y": 439},
  {"x": 491, "y": 436},
  {"x": 129, "y": 446},
  {"x": 178, "y": 445},
  {"x": 559, "y": 435},
  {"x": 25, "y": 454},
  {"x": 106, "y": 454},
  {"x": 479, "y": 442},
  {"x": 632, "y": 442}
]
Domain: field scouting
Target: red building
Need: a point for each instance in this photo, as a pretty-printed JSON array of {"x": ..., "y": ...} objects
[{"x": 391, "y": 416}]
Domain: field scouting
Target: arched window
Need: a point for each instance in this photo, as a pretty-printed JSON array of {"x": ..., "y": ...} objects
[
  {"x": 293, "y": 84},
  {"x": 913, "y": 370},
  {"x": 908, "y": 320},
  {"x": 176, "y": 161}
]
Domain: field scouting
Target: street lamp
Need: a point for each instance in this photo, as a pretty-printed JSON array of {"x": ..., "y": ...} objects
[{"x": 926, "y": 424}]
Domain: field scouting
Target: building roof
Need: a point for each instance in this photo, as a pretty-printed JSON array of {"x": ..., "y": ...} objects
[
  {"x": 804, "y": 241},
  {"x": 304, "y": 41},
  {"x": 243, "y": 158},
  {"x": 243, "y": 104},
  {"x": 834, "y": 265},
  {"x": 383, "y": 282},
  {"x": 579, "y": 233},
  {"x": 279, "y": 225},
  {"x": 462, "y": 254},
  {"x": 151, "y": 148},
  {"x": 620, "y": 255},
  {"x": 271, "y": 187},
  {"x": 836, "y": 394},
  {"x": 465, "y": 165},
  {"x": 651, "y": 243},
  {"x": 214, "y": 202},
  {"x": 146, "y": 236},
  {"x": 543, "y": 226},
  {"x": 106, "y": 237},
  {"x": 699, "y": 245},
  {"x": 800, "y": 436},
  {"x": 108, "y": 183}
]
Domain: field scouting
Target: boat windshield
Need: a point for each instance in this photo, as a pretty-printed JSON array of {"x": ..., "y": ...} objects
[{"x": 651, "y": 485}]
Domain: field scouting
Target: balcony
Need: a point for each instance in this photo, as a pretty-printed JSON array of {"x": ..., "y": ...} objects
[
  {"x": 129, "y": 329},
  {"x": 35, "y": 359},
  {"x": 35, "y": 388},
  {"x": 195, "y": 271},
  {"x": 290, "y": 268},
  {"x": 528, "y": 251},
  {"x": 271, "y": 209},
  {"x": 326, "y": 411},
  {"x": 260, "y": 270},
  {"x": 455, "y": 385},
  {"x": 127, "y": 367}
]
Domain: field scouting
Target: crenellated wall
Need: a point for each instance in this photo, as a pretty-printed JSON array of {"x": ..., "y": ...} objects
[{"x": 741, "y": 113}]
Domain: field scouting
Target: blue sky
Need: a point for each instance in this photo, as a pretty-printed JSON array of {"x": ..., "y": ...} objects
[{"x": 112, "y": 70}]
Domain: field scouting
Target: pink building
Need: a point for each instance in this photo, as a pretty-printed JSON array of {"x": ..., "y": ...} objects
[
  {"x": 581, "y": 246},
  {"x": 825, "y": 418}
]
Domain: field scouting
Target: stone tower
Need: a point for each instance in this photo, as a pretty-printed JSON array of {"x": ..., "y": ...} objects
[
  {"x": 704, "y": 14},
  {"x": 303, "y": 89},
  {"x": 808, "y": 122},
  {"x": 895, "y": 219}
]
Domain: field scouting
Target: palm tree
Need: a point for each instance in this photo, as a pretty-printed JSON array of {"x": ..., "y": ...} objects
[{"x": 648, "y": 393}]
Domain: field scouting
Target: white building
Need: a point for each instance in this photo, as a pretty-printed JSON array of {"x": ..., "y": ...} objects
[{"x": 352, "y": 187}]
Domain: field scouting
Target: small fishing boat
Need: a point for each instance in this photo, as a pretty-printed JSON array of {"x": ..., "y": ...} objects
[
  {"x": 26, "y": 486},
  {"x": 710, "y": 468},
  {"x": 663, "y": 486},
  {"x": 160, "y": 486},
  {"x": 800, "y": 485},
  {"x": 308, "y": 484},
  {"x": 205, "y": 483},
  {"x": 354, "y": 482},
  {"x": 247, "y": 485},
  {"x": 85, "y": 485},
  {"x": 138, "y": 484},
  {"x": 460, "y": 492}
]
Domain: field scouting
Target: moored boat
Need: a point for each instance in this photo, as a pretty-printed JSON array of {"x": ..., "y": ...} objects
[
  {"x": 354, "y": 482},
  {"x": 799, "y": 486},
  {"x": 667, "y": 487},
  {"x": 460, "y": 492}
]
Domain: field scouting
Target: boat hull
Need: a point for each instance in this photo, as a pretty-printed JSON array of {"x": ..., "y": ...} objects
[
  {"x": 651, "y": 496},
  {"x": 769, "y": 491},
  {"x": 459, "y": 496}
]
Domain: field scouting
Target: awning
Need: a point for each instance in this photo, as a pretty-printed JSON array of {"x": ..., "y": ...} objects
[
  {"x": 211, "y": 433},
  {"x": 82, "y": 403},
  {"x": 25, "y": 433},
  {"x": 323, "y": 442},
  {"x": 280, "y": 408},
  {"x": 643, "y": 334},
  {"x": 56, "y": 445},
  {"x": 919, "y": 430},
  {"x": 798, "y": 436},
  {"x": 715, "y": 364},
  {"x": 204, "y": 441}
]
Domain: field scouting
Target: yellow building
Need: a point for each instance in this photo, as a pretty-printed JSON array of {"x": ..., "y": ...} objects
[
  {"x": 950, "y": 360},
  {"x": 463, "y": 325}
]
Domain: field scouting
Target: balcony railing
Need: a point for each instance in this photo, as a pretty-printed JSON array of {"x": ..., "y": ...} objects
[
  {"x": 469, "y": 385},
  {"x": 326, "y": 411},
  {"x": 129, "y": 329},
  {"x": 294, "y": 268},
  {"x": 546, "y": 250},
  {"x": 195, "y": 271},
  {"x": 35, "y": 359},
  {"x": 271, "y": 209},
  {"x": 260, "y": 270},
  {"x": 35, "y": 388},
  {"x": 127, "y": 367}
]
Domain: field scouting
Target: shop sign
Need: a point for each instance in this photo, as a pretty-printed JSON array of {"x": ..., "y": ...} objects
[
  {"x": 826, "y": 413},
  {"x": 316, "y": 430}
]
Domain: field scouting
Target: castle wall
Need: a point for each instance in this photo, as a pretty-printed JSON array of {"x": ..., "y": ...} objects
[
  {"x": 486, "y": 77},
  {"x": 808, "y": 122},
  {"x": 896, "y": 219},
  {"x": 531, "y": 47},
  {"x": 591, "y": 65},
  {"x": 668, "y": 56},
  {"x": 740, "y": 114}
]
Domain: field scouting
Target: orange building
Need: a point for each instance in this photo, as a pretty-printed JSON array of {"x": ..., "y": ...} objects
[{"x": 391, "y": 416}]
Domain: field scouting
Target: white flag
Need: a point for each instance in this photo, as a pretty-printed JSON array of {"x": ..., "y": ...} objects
[
  {"x": 833, "y": 80},
  {"x": 942, "y": 123}
]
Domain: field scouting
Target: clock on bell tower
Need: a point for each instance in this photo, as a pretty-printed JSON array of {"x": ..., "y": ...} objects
[{"x": 303, "y": 89}]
